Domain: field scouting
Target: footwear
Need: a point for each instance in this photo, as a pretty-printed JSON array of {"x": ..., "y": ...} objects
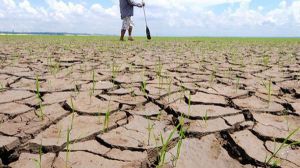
[
  {"x": 130, "y": 39},
  {"x": 122, "y": 39}
]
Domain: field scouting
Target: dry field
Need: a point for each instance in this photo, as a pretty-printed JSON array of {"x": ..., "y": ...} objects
[{"x": 94, "y": 102}]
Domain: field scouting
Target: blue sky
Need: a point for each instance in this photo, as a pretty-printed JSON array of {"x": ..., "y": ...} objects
[{"x": 166, "y": 17}]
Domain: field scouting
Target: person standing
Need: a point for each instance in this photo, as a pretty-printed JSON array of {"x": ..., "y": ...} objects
[{"x": 126, "y": 10}]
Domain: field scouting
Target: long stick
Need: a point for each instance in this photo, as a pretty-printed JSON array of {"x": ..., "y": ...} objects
[{"x": 144, "y": 14}]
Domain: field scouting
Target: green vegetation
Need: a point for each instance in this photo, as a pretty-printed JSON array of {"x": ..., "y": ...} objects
[
  {"x": 149, "y": 129},
  {"x": 73, "y": 112},
  {"x": 39, "y": 97},
  {"x": 2, "y": 87},
  {"x": 268, "y": 87},
  {"x": 181, "y": 63},
  {"x": 144, "y": 84},
  {"x": 283, "y": 145},
  {"x": 106, "y": 119},
  {"x": 94, "y": 82},
  {"x": 114, "y": 69},
  {"x": 37, "y": 87},
  {"x": 163, "y": 151},
  {"x": 266, "y": 60},
  {"x": 68, "y": 147},
  {"x": 39, "y": 161}
]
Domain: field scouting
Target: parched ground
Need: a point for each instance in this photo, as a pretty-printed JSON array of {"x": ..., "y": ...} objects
[{"x": 92, "y": 102}]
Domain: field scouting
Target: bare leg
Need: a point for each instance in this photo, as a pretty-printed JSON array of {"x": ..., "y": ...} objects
[
  {"x": 129, "y": 33},
  {"x": 122, "y": 35}
]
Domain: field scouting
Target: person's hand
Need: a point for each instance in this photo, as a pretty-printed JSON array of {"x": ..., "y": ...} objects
[{"x": 141, "y": 4}]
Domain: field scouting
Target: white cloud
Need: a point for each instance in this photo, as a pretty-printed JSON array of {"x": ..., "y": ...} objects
[
  {"x": 165, "y": 17},
  {"x": 184, "y": 4},
  {"x": 25, "y": 5},
  {"x": 295, "y": 9},
  {"x": 99, "y": 9},
  {"x": 62, "y": 7},
  {"x": 9, "y": 4}
]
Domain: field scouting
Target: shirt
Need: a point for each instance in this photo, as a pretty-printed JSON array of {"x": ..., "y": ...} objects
[{"x": 126, "y": 8}]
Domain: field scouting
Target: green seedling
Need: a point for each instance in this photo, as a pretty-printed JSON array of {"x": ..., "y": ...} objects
[
  {"x": 163, "y": 151},
  {"x": 94, "y": 82},
  {"x": 283, "y": 146},
  {"x": 37, "y": 87},
  {"x": 106, "y": 119},
  {"x": 73, "y": 113},
  {"x": 39, "y": 97},
  {"x": 41, "y": 110},
  {"x": 115, "y": 70},
  {"x": 90, "y": 95},
  {"x": 149, "y": 129},
  {"x": 143, "y": 87},
  {"x": 178, "y": 151},
  {"x": 2, "y": 87},
  {"x": 68, "y": 147},
  {"x": 54, "y": 67},
  {"x": 159, "y": 67},
  {"x": 158, "y": 70},
  {"x": 268, "y": 87},
  {"x": 144, "y": 84},
  {"x": 181, "y": 137},
  {"x": 266, "y": 60},
  {"x": 39, "y": 161}
]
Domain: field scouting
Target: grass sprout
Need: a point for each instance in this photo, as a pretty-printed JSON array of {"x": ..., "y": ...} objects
[
  {"x": 37, "y": 87},
  {"x": 283, "y": 146},
  {"x": 268, "y": 87},
  {"x": 149, "y": 129},
  {"x": 106, "y": 119},
  {"x": 266, "y": 60},
  {"x": 73, "y": 112},
  {"x": 163, "y": 151},
  {"x": 39, "y": 161},
  {"x": 115, "y": 69},
  {"x": 68, "y": 147}
]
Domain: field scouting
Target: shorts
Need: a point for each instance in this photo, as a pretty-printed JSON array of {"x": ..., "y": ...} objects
[{"x": 127, "y": 22}]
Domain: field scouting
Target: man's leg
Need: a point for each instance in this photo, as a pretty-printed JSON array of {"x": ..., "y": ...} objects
[
  {"x": 129, "y": 33},
  {"x": 130, "y": 29},
  {"x": 122, "y": 34}
]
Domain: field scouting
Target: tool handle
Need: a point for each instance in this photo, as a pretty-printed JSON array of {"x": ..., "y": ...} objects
[{"x": 145, "y": 14}]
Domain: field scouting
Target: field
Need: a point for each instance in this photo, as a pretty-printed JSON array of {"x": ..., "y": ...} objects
[{"x": 95, "y": 102}]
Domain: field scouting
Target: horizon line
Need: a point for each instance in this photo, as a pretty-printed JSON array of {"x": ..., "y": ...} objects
[{"x": 97, "y": 34}]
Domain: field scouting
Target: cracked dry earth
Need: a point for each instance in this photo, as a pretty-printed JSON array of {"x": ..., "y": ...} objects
[{"x": 239, "y": 100}]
